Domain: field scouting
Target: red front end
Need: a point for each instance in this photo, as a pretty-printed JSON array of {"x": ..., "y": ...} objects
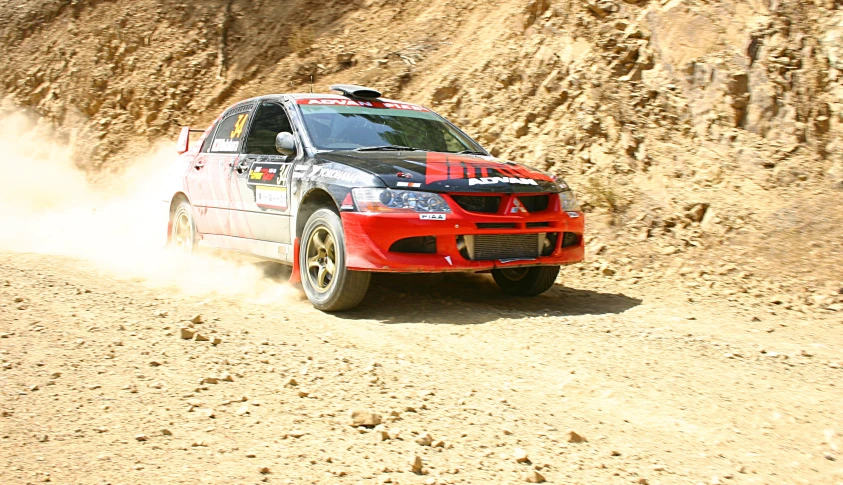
[{"x": 480, "y": 233}]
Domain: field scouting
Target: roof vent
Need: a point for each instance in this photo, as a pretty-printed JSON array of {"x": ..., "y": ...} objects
[{"x": 353, "y": 91}]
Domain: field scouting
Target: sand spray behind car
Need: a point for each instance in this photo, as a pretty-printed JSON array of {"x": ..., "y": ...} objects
[{"x": 47, "y": 205}]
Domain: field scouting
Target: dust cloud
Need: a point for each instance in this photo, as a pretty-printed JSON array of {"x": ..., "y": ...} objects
[{"x": 48, "y": 206}]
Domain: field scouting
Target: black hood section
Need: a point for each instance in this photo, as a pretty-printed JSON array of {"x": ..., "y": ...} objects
[{"x": 445, "y": 172}]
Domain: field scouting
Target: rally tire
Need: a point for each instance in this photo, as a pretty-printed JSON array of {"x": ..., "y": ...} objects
[
  {"x": 529, "y": 281},
  {"x": 183, "y": 232},
  {"x": 328, "y": 283}
]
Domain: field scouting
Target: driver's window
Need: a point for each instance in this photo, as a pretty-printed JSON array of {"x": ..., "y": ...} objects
[{"x": 270, "y": 120}]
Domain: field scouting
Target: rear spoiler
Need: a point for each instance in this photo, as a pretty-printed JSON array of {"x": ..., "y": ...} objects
[{"x": 184, "y": 139}]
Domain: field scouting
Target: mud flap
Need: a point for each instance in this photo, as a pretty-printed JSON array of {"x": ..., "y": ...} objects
[{"x": 295, "y": 276}]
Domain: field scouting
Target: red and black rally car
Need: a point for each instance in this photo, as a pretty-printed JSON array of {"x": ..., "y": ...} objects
[{"x": 340, "y": 186}]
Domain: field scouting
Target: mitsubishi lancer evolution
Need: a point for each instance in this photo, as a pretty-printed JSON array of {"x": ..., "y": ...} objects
[{"x": 342, "y": 185}]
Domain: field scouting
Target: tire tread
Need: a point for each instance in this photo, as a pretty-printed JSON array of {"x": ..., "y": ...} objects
[{"x": 538, "y": 280}]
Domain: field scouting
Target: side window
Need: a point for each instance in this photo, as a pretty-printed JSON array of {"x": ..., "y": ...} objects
[
  {"x": 206, "y": 144},
  {"x": 228, "y": 136},
  {"x": 269, "y": 121}
]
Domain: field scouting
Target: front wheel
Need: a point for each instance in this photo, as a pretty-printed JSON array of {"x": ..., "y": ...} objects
[
  {"x": 529, "y": 281},
  {"x": 329, "y": 285}
]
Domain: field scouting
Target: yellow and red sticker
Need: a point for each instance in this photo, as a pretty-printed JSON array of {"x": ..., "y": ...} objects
[{"x": 268, "y": 173}]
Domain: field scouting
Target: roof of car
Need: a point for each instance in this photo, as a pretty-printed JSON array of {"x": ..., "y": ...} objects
[{"x": 276, "y": 97}]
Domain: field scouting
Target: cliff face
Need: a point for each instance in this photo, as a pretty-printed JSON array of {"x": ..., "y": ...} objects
[{"x": 705, "y": 137}]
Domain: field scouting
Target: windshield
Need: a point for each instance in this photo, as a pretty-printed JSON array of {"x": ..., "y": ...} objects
[{"x": 353, "y": 127}]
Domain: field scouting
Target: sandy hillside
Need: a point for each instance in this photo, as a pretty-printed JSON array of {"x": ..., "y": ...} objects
[
  {"x": 695, "y": 132},
  {"x": 699, "y": 342}
]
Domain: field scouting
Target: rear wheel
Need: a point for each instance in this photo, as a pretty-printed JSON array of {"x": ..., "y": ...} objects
[
  {"x": 529, "y": 281},
  {"x": 183, "y": 236},
  {"x": 329, "y": 285}
]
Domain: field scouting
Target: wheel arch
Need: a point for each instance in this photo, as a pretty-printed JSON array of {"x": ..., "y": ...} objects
[{"x": 314, "y": 200}]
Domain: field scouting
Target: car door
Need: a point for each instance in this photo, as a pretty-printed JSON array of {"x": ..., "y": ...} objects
[
  {"x": 260, "y": 179},
  {"x": 208, "y": 185}
]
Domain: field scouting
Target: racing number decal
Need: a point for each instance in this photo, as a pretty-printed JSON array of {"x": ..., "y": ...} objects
[{"x": 238, "y": 127}]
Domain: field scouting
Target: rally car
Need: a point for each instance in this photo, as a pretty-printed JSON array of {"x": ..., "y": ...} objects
[{"x": 343, "y": 185}]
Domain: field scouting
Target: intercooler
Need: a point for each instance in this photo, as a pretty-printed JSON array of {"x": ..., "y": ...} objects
[{"x": 491, "y": 247}]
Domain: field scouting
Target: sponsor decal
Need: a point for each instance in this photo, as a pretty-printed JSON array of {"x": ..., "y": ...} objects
[
  {"x": 271, "y": 197},
  {"x": 573, "y": 214},
  {"x": 361, "y": 103},
  {"x": 334, "y": 174},
  {"x": 244, "y": 108},
  {"x": 223, "y": 145},
  {"x": 501, "y": 180},
  {"x": 448, "y": 259},
  {"x": 432, "y": 217},
  {"x": 442, "y": 167},
  {"x": 299, "y": 172},
  {"x": 268, "y": 174},
  {"x": 408, "y": 184},
  {"x": 262, "y": 173}
]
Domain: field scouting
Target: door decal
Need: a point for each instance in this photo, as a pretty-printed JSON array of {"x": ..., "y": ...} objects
[
  {"x": 268, "y": 174},
  {"x": 271, "y": 197},
  {"x": 269, "y": 181}
]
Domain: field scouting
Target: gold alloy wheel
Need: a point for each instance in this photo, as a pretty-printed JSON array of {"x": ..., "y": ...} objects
[
  {"x": 321, "y": 259},
  {"x": 182, "y": 232}
]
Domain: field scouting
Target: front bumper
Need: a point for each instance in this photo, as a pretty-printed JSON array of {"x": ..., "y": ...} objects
[{"x": 369, "y": 236}]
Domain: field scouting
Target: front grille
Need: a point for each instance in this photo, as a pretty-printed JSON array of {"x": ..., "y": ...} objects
[
  {"x": 534, "y": 203},
  {"x": 531, "y": 225},
  {"x": 478, "y": 203},
  {"x": 420, "y": 244},
  {"x": 490, "y": 247},
  {"x": 496, "y": 225}
]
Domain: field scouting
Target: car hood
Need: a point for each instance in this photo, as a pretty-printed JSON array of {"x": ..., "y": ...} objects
[{"x": 446, "y": 172}]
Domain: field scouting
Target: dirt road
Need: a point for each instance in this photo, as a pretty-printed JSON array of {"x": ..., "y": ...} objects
[{"x": 97, "y": 385}]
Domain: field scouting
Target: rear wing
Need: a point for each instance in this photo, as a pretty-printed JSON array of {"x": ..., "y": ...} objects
[{"x": 183, "y": 142}]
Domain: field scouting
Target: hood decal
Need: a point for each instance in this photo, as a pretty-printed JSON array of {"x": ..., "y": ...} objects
[
  {"x": 445, "y": 166},
  {"x": 446, "y": 172}
]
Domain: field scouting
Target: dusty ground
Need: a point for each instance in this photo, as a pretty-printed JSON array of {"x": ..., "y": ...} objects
[{"x": 99, "y": 387}]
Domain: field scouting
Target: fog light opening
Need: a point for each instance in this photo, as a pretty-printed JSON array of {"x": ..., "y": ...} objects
[
  {"x": 570, "y": 239},
  {"x": 462, "y": 247}
]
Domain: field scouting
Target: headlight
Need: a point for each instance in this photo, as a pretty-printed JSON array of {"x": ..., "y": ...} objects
[
  {"x": 388, "y": 200},
  {"x": 569, "y": 201}
]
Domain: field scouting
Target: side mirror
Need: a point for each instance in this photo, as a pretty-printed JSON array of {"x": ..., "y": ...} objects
[{"x": 285, "y": 143}]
